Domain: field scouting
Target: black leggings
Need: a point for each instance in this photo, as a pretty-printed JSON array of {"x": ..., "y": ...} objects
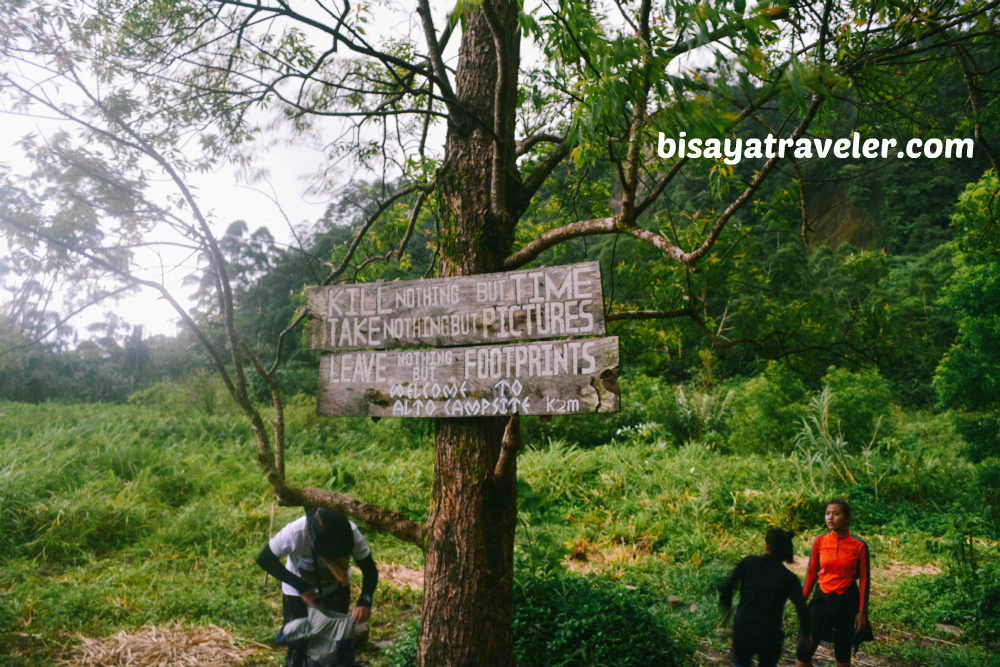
[{"x": 831, "y": 618}]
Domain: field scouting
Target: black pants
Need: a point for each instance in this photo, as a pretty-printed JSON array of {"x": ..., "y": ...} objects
[
  {"x": 750, "y": 640},
  {"x": 831, "y": 618},
  {"x": 293, "y": 607}
]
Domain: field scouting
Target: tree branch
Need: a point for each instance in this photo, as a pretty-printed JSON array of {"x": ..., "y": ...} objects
[
  {"x": 360, "y": 47},
  {"x": 977, "y": 130},
  {"x": 553, "y": 237},
  {"x": 502, "y": 156},
  {"x": 530, "y": 142},
  {"x": 300, "y": 315},
  {"x": 688, "y": 312},
  {"x": 41, "y": 336},
  {"x": 509, "y": 446},
  {"x": 435, "y": 51},
  {"x": 414, "y": 214},
  {"x": 278, "y": 427},
  {"x": 691, "y": 258},
  {"x": 595, "y": 227},
  {"x": 540, "y": 173},
  {"x": 395, "y": 523},
  {"x": 368, "y": 224},
  {"x": 630, "y": 177},
  {"x": 639, "y": 315}
]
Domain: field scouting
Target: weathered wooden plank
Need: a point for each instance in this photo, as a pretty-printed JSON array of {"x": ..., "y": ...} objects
[
  {"x": 533, "y": 304},
  {"x": 540, "y": 378}
]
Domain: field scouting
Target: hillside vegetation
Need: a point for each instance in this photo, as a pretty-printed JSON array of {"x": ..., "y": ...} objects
[{"x": 121, "y": 516}]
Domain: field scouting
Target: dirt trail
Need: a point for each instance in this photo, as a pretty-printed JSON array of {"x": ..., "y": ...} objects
[
  {"x": 706, "y": 657},
  {"x": 401, "y": 576}
]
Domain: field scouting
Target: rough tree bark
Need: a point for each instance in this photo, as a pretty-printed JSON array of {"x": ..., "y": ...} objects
[{"x": 468, "y": 576}]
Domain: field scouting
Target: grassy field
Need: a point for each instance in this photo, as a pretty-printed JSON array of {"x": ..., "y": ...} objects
[{"x": 119, "y": 517}]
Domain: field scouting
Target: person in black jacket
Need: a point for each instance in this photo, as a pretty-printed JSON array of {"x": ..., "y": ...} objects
[
  {"x": 765, "y": 584},
  {"x": 318, "y": 548}
]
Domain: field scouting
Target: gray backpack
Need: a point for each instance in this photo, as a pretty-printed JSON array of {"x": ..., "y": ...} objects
[{"x": 328, "y": 637}]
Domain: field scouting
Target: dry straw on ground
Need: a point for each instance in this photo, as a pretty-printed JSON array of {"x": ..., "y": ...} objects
[{"x": 162, "y": 646}]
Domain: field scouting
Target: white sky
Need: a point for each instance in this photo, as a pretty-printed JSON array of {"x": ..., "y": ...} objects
[
  {"x": 228, "y": 199},
  {"x": 225, "y": 196},
  {"x": 280, "y": 200}
]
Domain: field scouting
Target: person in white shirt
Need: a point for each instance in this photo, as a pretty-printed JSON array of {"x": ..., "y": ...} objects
[{"x": 317, "y": 549}]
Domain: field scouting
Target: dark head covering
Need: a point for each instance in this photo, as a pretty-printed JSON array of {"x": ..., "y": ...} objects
[
  {"x": 330, "y": 532},
  {"x": 779, "y": 541}
]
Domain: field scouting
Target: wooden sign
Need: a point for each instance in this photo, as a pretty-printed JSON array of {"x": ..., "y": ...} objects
[
  {"x": 533, "y": 304},
  {"x": 540, "y": 378}
]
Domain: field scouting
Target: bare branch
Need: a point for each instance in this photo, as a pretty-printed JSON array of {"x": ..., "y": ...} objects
[
  {"x": 657, "y": 190},
  {"x": 368, "y": 224},
  {"x": 116, "y": 270},
  {"x": 630, "y": 177},
  {"x": 300, "y": 315},
  {"x": 541, "y": 172},
  {"x": 639, "y": 315},
  {"x": 509, "y": 446},
  {"x": 395, "y": 523},
  {"x": 556, "y": 236},
  {"x": 528, "y": 143},
  {"x": 414, "y": 214},
  {"x": 40, "y": 337},
  {"x": 278, "y": 427},
  {"x": 691, "y": 258},
  {"x": 688, "y": 312},
  {"x": 505, "y": 85},
  {"x": 354, "y": 41},
  {"x": 435, "y": 50},
  {"x": 977, "y": 131}
]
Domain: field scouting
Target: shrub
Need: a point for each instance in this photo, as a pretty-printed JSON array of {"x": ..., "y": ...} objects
[
  {"x": 821, "y": 447},
  {"x": 972, "y": 603},
  {"x": 981, "y": 431},
  {"x": 559, "y": 471},
  {"x": 766, "y": 412},
  {"x": 695, "y": 415},
  {"x": 861, "y": 403},
  {"x": 566, "y": 619},
  {"x": 199, "y": 391}
]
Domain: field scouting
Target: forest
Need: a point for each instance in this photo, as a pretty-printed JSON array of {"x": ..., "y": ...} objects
[{"x": 833, "y": 329}]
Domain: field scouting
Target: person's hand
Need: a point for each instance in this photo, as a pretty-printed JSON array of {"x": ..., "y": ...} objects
[
  {"x": 361, "y": 614},
  {"x": 308, "y": 596},
  {"x": 860, "y": 621}
]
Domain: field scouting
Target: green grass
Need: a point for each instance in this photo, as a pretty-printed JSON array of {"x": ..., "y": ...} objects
[{"x": 119, "y": 516}]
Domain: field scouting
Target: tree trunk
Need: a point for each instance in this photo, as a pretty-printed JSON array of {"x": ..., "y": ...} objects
[
  {"x": 468, "y": 572},
  {"x": 468, "y": 575}
]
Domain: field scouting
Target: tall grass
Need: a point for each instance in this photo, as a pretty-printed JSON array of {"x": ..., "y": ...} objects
[{"x": 118, "y": 516}]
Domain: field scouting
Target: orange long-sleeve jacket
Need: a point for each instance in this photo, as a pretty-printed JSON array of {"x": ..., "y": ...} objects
[{"x": 835, "y": 563}]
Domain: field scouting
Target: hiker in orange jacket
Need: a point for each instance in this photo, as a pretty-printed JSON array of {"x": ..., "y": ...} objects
[{"x": 839, "y": 567}]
